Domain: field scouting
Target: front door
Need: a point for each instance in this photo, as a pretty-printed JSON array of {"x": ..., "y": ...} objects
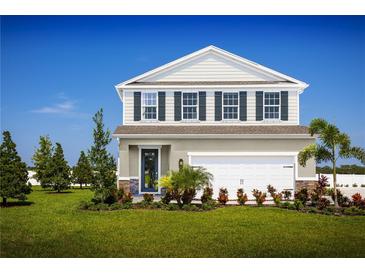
[{"x": 149, "y": 170}]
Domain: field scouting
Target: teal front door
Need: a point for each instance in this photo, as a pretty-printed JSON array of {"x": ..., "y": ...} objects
[{"x": 149, "y": 170}]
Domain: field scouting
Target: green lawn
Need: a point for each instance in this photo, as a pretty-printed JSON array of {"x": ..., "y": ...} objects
[{"x": 54, "y": 227}]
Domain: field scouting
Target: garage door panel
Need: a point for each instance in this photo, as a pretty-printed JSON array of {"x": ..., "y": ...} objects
[{"x": 247, "y": 172}]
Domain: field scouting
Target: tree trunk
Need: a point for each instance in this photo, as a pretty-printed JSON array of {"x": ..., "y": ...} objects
[
  {"x": 5, "y": 202},
  {"x": 80, "y": 185},
  {"x": 334, "y": 183}
]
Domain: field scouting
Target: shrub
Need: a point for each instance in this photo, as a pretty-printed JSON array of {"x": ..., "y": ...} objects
[
  {"x": 241, "y": 196},
  {"x": 143, "y": 204},
  {"x": 277, "y": 198},
  {"x": 127, "y": 198},
  {"x": 184, "y": 183},
  {"x": 168, "y": 197},
  {"x": 157, "y": 205},
  {"x": 223, "y": 196},
  {"x": 342, "y": 200},
  {"x": 298, "y": 204},
  {"x": 320, "y": 190},
  {"x": 260, "y": 196},
  {"x": 127, "y": 205},
  {"x": 322, "y": 182},
  {"x": 188, "y": 196},
  {"x": 172, "y": 207},
  {"x": 286, "y": 194},
  {"x": 358, "y": 201},
  {"x": 291, "y": 207},
  {"x": 354, "y": 211},
  {"x": 362, "y": 185},
  {"x": 98, "y": 207},
  {"x": 346, "y": 185},
  {"x": 341, "y": 185},
  {"x": 323, "y": 203},
  {"x": 115, "y": 206},
  {"x": 209, "y": 205},
  {"x": 271, "y": 190},
  {"x": 312, "y": 210},
  {"x": 105, "y": 195},
  {"x": 207, "y": 195},
  {"x": 302, "y": 195},
  {"x": 190, "y": 207},
  {"x": 285, "y": 205},
  {"x": 148, "y": 198},
  {"x": 354, "y": 185},
  {"x": 85, "y": 204}
]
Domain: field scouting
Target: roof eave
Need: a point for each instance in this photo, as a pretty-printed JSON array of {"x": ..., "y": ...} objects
[
  {"x": 300, "y": 87},
  {"x": 213, "y": 136}
]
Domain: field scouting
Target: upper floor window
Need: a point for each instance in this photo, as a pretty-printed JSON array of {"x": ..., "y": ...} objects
[
  {"x": 190, "y": 105},
  {"x": 272, "y": 105},
  {"x": 230, "y": 105},
  {"x": 149, "y": 105}
]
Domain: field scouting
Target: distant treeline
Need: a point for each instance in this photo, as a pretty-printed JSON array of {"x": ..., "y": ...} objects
[{"x": 343, "y": 169}]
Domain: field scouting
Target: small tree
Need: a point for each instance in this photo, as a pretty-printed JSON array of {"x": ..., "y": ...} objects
[
  {"x": 333, "y": 145},
  {"x": 13, "y": 172},
  {"x": 82, "y": 173},
  {"x": 60, "y": 170},
  {"x": 184, "y": 183},
  {"x": 42, "y": 159},
  {"x": 102, "y": 162}
]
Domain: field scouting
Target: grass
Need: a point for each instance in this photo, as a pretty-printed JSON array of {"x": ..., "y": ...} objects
[{"x": 53, "y": 227}]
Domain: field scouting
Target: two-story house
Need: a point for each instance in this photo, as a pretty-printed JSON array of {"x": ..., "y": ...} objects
[{"x": 211, "y": 108}]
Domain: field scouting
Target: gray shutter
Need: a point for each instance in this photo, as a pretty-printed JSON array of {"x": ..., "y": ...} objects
[
  {"x": 137, "y": 106},
  {"x": 259, "y": 105},
  {"x": 243, "y": 105},
  {"x": 218, "y": 105},
  {"x": 284, "y": 105},
  {"x": 177, "y": 103},
  {"x": 202, "y": 105},
  {"x": 161, "y": 106}
]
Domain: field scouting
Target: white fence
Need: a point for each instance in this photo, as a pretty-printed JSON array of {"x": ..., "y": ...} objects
[
  {"x": 346, "y": 179},
  {"x": 346, "y": 182}
]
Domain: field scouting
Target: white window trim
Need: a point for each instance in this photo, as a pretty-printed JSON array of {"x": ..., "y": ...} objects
[
  {"x": 263, "y": 107},
  {"x": 238, "y": 106},
  {"x": 143, "y": 105},
  {"x": 182, "y": 106},
  {"x": 158, "y": 147}
]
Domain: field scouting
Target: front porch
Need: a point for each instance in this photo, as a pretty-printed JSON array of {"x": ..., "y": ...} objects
[{"x": 144, "y": 164}]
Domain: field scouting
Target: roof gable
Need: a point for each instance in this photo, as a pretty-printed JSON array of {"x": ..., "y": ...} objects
[
  {"x": 211, "y": 64},
  {"x": 210, "y": 67}
]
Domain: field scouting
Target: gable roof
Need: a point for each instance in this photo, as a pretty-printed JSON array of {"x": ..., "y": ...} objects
[{"x": 267, "y": 75}]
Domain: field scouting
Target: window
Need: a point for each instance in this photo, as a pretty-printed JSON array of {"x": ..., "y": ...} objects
[
  {"x": 230, "y": 105},
  {"x": 190, "y": 102},
  {"x": 149, "y": 106},
  {"x": 272, "y": 105}
]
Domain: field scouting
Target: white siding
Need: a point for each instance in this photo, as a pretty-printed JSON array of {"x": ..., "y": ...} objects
[
  {"x": 210, "y": 109},
  {"x": 211, "y": 67}
]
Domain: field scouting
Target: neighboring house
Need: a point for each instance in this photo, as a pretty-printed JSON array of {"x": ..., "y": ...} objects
[{"x": 211, "y": 108}]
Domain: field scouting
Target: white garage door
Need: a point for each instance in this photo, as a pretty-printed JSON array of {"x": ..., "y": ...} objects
[{"x": 248, "y": 172}]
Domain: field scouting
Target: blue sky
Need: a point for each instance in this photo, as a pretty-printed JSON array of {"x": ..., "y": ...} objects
[{"x": 56, "y": 72}]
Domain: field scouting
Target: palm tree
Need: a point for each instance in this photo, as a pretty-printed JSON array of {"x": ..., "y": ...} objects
[
  {"x": 333, "y": 145},
  {"x": 185, "y": 182}
]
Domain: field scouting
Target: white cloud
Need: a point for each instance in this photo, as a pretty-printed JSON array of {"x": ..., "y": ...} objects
[{"x": 65, "y": 107}]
